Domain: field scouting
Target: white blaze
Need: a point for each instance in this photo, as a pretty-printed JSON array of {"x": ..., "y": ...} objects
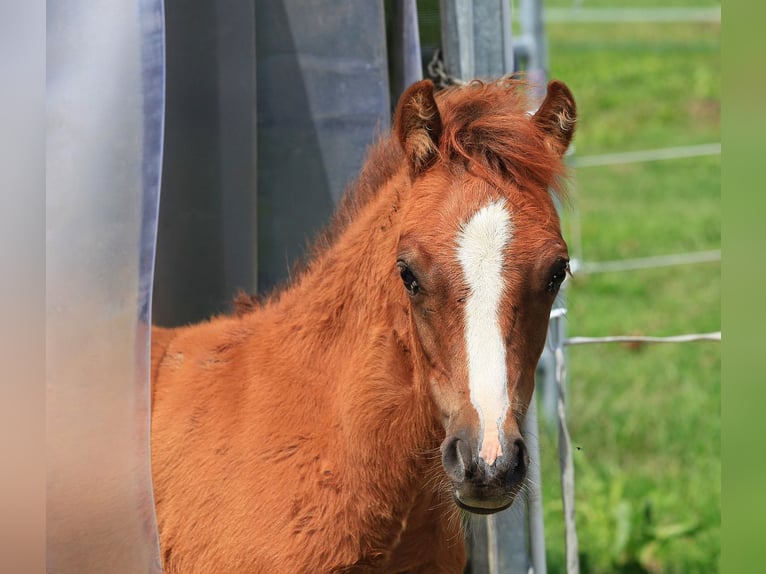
[{"x": 481, "y": 244}]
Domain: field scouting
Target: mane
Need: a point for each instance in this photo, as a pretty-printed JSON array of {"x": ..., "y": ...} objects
[{"x": 486, "y": 130}]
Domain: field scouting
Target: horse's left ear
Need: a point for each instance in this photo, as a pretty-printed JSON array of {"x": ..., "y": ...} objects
[
  {"x": 557, "y": 115},
  {"x": 418, "y": 126}
]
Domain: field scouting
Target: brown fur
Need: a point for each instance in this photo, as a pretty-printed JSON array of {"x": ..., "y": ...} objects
[{"x": 303, "y": 433}]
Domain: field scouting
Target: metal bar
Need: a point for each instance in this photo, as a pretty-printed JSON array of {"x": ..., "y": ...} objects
[
  {"x": 714, "y": 336},
  {"x": 457, "y": 29},
  {"x": 532, "y": 29},
  {"x": 534, "y": 490},
  {"x": 406, "y": 64},
  {"x": 493, "y": 550},
  {"x": 506, "y": 18},
  {"x": 566, "y": 464},
  {"x": 648, "y": 262},
  {"x": 492, "y": 40},
  {"x": 546, "y": 382}
]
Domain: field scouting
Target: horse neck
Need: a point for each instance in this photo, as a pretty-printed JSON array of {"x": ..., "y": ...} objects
[{"x": 355, "y": 327}]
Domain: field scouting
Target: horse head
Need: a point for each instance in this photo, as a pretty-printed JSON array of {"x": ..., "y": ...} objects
[{"x": 480, "y": 259}]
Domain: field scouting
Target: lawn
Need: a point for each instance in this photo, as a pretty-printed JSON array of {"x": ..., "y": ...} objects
[{"x": 645, "y": 418}]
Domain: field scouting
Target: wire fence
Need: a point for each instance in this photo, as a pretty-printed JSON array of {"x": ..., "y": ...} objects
[
  {"x": 651, "y": 262},
  {"x": 566, "y": 461},
  {"x": 641, "y": 156},
  {"x": 579, "y": 264},
  {"x": 557, "y": 342}
]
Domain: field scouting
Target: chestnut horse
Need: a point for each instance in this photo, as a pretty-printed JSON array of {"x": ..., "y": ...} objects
[{"x": 342, "y": 424}]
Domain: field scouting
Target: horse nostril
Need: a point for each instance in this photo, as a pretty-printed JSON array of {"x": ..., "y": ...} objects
[
  {"x": 456, "y": 456},
  {"x": 519, "y": 463}
]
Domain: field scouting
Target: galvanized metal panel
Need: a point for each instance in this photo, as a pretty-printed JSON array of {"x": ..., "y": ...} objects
[
  {"x": 105, "y": 76},
  {"x": 207, "y": 226},
  {"x": 322, "y": 77}
]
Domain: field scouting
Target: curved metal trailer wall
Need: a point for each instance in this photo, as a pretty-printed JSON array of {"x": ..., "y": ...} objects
[{"x": 105, "y": 83}]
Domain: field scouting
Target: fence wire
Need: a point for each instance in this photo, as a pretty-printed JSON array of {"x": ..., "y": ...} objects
[
  {"x": 566, "y": 462},
  {"x": 651, "y": 262},
  {"x": 642, "y": 156},
  {"x": 688, "y": 338}
]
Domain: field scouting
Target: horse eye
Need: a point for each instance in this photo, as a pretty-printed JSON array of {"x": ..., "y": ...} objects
[
  {"x": 409, "y": 279},
  {"x": 558, "y": 274}
]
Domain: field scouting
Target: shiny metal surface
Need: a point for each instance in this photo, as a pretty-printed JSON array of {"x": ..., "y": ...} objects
[
  {"x": 105, "y": 83},
  {"x": 323, "y": 96}
]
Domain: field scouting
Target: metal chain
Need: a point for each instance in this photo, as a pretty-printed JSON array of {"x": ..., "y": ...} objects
[{"x": 439, "y": 75}]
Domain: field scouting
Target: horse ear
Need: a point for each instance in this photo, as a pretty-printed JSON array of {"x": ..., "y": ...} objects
[
  {"x": 418, "y": 126},
  {"x": 557, "y": 115}
]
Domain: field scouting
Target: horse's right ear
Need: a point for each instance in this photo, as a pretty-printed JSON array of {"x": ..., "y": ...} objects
[{"x": 418, "y": 126}]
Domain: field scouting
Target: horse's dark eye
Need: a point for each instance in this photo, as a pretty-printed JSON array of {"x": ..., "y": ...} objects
[
  {"x": 409, "y": 279},
  {"x": 558, "y": 274}
]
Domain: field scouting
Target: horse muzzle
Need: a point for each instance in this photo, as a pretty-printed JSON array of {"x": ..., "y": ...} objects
[{"x": 479, "y": 487}]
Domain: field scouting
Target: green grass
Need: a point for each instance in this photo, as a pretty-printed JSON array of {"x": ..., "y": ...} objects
[
  {"x": 640, "y": 86},
  {"x": 643, "y": 209},
  {"x": 645, "y": 418}
]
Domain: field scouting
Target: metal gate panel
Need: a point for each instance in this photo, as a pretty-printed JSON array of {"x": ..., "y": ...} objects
[{"x": 322, "y": 93}]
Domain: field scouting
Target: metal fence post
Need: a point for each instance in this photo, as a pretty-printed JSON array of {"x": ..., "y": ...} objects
[{"x": 405, "y": 62}]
